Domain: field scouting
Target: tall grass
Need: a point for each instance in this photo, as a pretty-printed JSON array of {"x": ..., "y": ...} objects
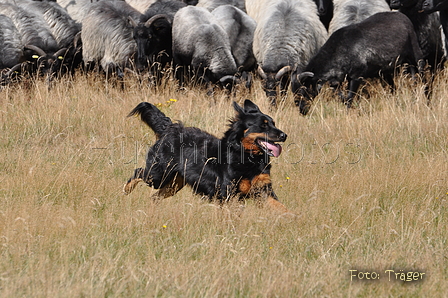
[{"x": 369, "y": 187}]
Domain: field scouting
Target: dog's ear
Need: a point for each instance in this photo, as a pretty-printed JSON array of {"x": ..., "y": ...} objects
[
  {"x": 250, "y": 107},
  {"x": 238, "y": 109}
]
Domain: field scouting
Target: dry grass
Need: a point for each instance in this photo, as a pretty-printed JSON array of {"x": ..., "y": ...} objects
[{"x": 369, "y": 186}]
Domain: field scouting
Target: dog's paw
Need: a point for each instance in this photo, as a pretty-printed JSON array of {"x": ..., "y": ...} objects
[
  {"x": 130, "y": 185},
  {"x": 126, "y": 189}
]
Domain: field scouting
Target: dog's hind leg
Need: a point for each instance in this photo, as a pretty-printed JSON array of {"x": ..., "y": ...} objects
[
  {"x": 132, "y": 182},
  {"x": 169, "y": 189},
  {"x": 275, "y": 204},
  {"x": 261, "y": 189}
]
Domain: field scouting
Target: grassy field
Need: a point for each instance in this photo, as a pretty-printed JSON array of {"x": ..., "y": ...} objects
[{"x": 369, "y": 188}]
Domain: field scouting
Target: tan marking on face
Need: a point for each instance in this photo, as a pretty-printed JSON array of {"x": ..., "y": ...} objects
[{"x": 249, "y": 142}]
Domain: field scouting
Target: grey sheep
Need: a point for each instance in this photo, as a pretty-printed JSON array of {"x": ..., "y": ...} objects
[
  {"x": 11, "y": 48},
  {"x": 213, "y": 4},
  {"x": 347, "y": 12},
  {"x": 107, "y": 36},
  {"x": 78, "y": 9},
  {"x": 201, "y": 45},
  {"x": 240, "y": 29},
  {"x": 62, "y": 26},
  {"x": 40, "y": 46},
  {"x": 32, "y": 27},
  {"x": 288, "y": 34}
]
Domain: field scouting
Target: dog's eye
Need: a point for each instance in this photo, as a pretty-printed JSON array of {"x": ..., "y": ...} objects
[{"x": 264, "y": 125}]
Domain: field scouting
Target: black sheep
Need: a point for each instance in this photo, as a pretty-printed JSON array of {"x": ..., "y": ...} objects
[
  {"x": 363, "y": 50},
  {"x": 430, "y": 6},
  {"x": 427, "y": 28},
  {"x": 325, "y": 11},
  {"x": 153, "y": 35}
]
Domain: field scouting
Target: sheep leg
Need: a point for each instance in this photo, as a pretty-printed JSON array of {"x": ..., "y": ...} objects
[{"x": 352, "y": 89}]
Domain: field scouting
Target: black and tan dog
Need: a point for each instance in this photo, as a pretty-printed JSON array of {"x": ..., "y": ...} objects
[{"x": 237, "y": 164}]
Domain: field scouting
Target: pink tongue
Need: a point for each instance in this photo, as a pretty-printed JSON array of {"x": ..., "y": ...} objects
[{"x": 275, "y": 149}]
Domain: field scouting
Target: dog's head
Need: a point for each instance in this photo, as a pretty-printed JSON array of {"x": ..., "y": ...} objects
[{"x": 259, "y": 132}]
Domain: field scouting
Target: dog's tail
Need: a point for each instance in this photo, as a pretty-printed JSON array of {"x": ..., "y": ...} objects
[{"x": 152, "y": 116}]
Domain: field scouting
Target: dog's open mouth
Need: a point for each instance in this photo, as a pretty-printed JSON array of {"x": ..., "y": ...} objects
[{"x": 271, "y": 148}]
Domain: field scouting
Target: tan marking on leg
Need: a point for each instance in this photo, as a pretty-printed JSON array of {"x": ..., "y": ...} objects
[
  {"x": 170, "y": 189},
  {"x": 129, "y": 187},
  {"x": 261, "y": 180},
  {"x": 244, "y": 186}
]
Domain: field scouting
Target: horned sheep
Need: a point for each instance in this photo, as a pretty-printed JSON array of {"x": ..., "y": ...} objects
[
  {"x": 32, "y": 27},
  {"x": 357, "y": 52},
  {"x": 61, "y": 25},
  {"x": 288, "y": 34},
  {"x": 153, "y": 35},
  {"x": 40, "y": 46}
]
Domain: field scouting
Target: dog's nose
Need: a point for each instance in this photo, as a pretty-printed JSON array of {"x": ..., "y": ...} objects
[{"x": 282, "y": 136}]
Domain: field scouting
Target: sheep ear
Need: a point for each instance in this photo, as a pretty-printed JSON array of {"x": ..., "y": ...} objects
[
  {"x": 250, "y": 107},
  {"x": 132, "y": 22}
]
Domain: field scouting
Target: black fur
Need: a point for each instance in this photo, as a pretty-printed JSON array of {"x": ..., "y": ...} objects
[
  {"x": 325, "y": 11},
  {"x": 237, "y": 164}
]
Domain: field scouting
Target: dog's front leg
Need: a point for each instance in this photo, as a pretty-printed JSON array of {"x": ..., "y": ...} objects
[{"x": 133, "y": 181}]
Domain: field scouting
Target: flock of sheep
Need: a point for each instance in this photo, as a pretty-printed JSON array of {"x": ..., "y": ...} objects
[{"x": 301, "y": 44}]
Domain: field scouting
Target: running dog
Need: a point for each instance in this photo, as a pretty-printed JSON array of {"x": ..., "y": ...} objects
[{"x": 236, "y": 165}]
